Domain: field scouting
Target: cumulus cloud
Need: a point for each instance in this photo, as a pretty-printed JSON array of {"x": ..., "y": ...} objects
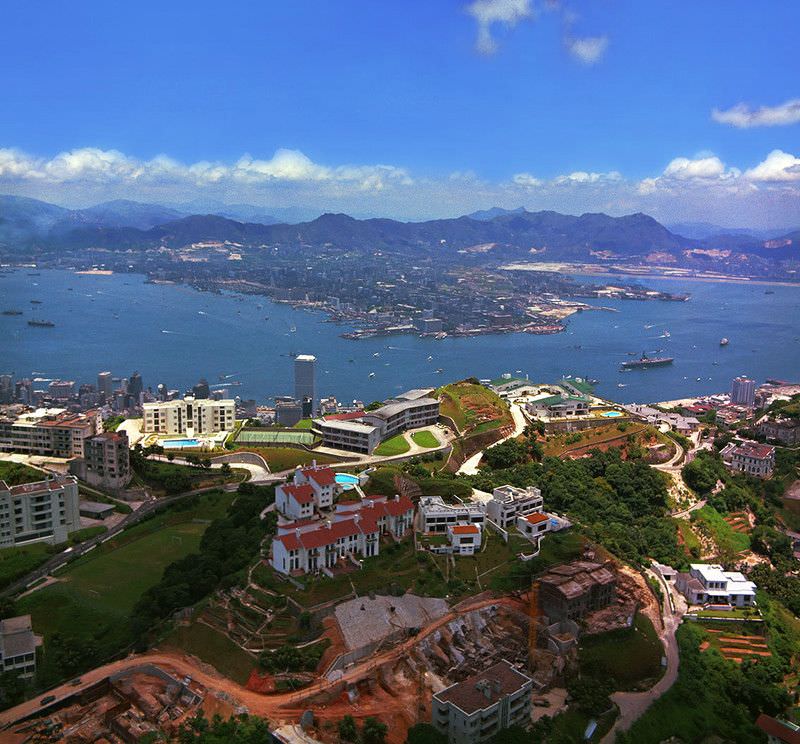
[
  {"x": 777, "y": 167},
  {"x": 589, "y": 50},
  {"x": 583, "y": 177},
  {"x": 709, "y": 167},
  {"x": 487, "y": 13},
  {"x": 744, "y": 117},
  {"x": 526, "y": 179},
  {"x": 93, "y": 165}
]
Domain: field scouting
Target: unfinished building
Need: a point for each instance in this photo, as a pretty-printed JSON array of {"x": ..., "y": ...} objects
[{"x": 572, "y": 590}]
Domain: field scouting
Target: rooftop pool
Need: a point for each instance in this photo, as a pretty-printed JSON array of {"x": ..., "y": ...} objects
[
  {"x": 346, "y": 480},
  {"x": 180, "y": 443}
]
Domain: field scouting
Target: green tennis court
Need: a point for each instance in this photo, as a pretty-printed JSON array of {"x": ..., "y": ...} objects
[{"x": 265, "y": 436}]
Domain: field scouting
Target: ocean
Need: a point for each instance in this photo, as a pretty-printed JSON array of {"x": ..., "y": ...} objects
[{"x": 173, "y": 334}]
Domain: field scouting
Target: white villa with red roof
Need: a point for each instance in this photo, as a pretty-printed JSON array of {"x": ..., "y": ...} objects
[
  {"x": 352, "y": 532},
  {"x": 323, "y": 483},
  {"x": 311, "y": 489}
]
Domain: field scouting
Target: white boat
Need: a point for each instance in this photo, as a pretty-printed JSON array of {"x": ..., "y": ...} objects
[
  {"x": 723, "y": 342},
  {"x": 372, "y": 374}
]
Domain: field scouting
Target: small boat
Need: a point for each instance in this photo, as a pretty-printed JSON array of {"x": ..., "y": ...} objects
[
  {"x": 769, "y": 291},
  {"x": 372, "y": 374},
  {"x": 621, "y": 385},
  {"x": 36, "y": 302},
  {"x": 376, "y": 354},
  {"x": 439, "y": 371},
  {"x": 293, "y": 329},
  {"x": 723, "y": 342},
  {"x": 12, "y": 312},
  {"x": 41, "y": 323},
  {"x": 430, "y": 358}
]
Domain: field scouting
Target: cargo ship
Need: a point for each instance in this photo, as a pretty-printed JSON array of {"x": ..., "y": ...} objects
[
  {"x": 645, "y": 361},
  {"x": 42, "y": 323},
  {"x": 11, "y": 312}
]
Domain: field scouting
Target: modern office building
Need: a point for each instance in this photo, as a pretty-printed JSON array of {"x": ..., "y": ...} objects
[
  {"x": 189, "y": 416},
  {"x": 106, "y": 461},
  {"x": 305, "y": 373},
  {"x": 61, "y": 389},
  {"x": 49, "y": 432},
  {"x": 743, "y": 391},
  {"x": 135, "y": 386},
  {"x": 44, "y": 511},
  {"x": 288, "y": 411},
  {"x": 18, "y": 646},
  {"x": 478, "y": 708},
  {"x": 105, "y": 385},
  {"x": 201, "y": 389}
]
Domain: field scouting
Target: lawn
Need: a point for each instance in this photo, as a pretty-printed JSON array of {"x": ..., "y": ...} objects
[
  {"x": 15, "y": 473},
  {"x": 304, "y": 424},
  {"x": 557, "y": 445},
  {"x": 472, "y": 405},
  {"x": 210, "y": 646},
  {"x": 687, "y": 538},
  {"x": 727, "y": 539},
  {"x": 425, "y": 439},
  {"x": 16, "y": 562},
  {"x": 397, "y": 445},
  {"x": 630, "y": 656}
]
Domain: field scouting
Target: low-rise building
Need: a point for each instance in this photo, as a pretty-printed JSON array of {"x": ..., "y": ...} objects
[
  {"x": 189, "y": 416},
  {"x": 465, "y": 539},
  {"x": 709, "y": 583},
  {"x": 106, "y": 461},
  {"x": 478, "y": 708},
  {"x": 44, "y": 511},
  {"x": 533, "y": 526},
  {"x": 295, "y": 501},
  {"x": 781, "y": 429},
  {"x": 572, "y": 590},
  {"x": 323, "y": 483},
  {"x": 749, "y": 457},
  {"x": 49, "y": 432},
  {"x": 18, "y": 646},
  {"x": 509, "y": 502},
  {"x": 350, "y": 434},
  {"x": 778, "y": 731},
  {"x": 561, "y": 405},
  {"x": 435, "y": 516}
]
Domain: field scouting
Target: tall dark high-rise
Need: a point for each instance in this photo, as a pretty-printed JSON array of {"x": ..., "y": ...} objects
[
  {"x": 305, "y": 373},
  {"x": 135, "y": 386},
  {"x": 201, "y": 390},
  {"x": 105, "y": 385}
]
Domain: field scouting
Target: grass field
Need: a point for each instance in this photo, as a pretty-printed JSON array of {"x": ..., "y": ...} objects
[
  {"x": 304, "y": 424},
  {"x": 397, "y": 445},
  {"x": 425, "y": 439},
  {"x": 14, "y": 473},
  {"x": 690, "y": 541},
  {"x": 16, "y": 562},
  {"x": 727, "y": 539},
  {"x": 260, "y": 436},
  {"x": 473, "y": 407},
  {"x": 631, "y": 656},
  {"x": 212, "y": 647}
]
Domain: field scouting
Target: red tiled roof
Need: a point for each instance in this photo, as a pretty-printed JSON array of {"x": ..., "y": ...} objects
[
  {"x": 752, "y": 449},
  {"x": 326, "y": 535},
  {"x": 773, "y": 727},
  {"x": 290, "y": 541},
  {"x": 536, "y": 518},
  {"x": 344, "y": 416},
  {"x": 465, "y": 529},
  {"x": 301, "y": 494},
  {"x": 399, "y": 507},
  {"x": 320, "y": 476},
  {"x": 297, "y": 523}
]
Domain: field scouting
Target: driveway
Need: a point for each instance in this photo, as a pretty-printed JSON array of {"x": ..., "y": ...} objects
[{"x": 470, "y": 466}]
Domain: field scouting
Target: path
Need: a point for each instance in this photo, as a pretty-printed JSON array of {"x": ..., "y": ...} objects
[
  {"x": 470, "y": 466},
  {"x": 632, "y": 705}
]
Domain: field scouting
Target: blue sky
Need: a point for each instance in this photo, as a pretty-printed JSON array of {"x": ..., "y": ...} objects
[{"x": 412, "y": 109}]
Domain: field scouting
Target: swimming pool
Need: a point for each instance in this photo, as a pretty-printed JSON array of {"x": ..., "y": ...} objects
[
  {"x": 180, "y": 443},
  {"x": 611, "y": 414},
  {"x": 346, "y": 480}
]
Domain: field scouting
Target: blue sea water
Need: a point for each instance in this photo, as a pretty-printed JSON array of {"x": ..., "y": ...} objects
[{"x": 174, "y": 335}]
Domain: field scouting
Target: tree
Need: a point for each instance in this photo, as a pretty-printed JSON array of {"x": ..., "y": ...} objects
[
  {"x": 206, "y": 462},
  {"x": 225, "y": 469},
  {"x": 505, "y": 455},
  {"x": 348, "y": 731},
  {"x": 170, "y": 456},
  {"x": 374, "y": 731},
  {"x": 425, "y": 733},
  {"x": 373, "y": 406}
]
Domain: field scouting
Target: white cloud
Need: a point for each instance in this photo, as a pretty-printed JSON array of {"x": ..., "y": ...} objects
[
  {"x": 583, "y": 177},
  {"x": 778, "y": 166},
  {"x": 709, "y": 167},
  {"x": 487, "y": 13},
  {"x": 527, "y": 180},
  {"x": 589, "y": 49},
  {"x": 93, "y": 165},
  {"x": 743, "y": 116}
]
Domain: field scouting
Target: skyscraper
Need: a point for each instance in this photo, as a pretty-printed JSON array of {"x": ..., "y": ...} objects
[
  {"x": 135, "y": 386},
  {"x": 105, "y": 386},
  {"x": 6, "y": 388},
  {"x": 743, "y": 391},
  {"x": 305, "y": 371}
]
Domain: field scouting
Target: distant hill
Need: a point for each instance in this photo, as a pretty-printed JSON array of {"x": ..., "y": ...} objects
[
  {"x": 490, "y": 214},
  {"x": 119, "y": 213},
  {"x": 706, "y": 230},
  {"x": 21, "y": 217}
]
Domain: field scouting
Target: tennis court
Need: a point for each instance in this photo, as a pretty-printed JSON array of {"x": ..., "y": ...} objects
[{"x": 267, "y": 436}]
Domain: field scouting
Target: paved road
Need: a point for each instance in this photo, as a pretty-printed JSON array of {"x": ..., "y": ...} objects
[
  {"x": 470, "y": 466},
  {"x": 632, "y": 705},
  {"x": 60, "y": 559}
]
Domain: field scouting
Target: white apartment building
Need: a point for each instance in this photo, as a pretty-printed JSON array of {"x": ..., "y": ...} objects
[
  {"x": 189, "y": 417},
  {"x": 709, "y": 583},
  {"x": 465, "y": 539},
  {"x": 509, "y": 502},
  {"x": 481, "y": 706},
  {"x": 435, "y": 516},
  {"x": 106, "y": 461},
  {"x": 45, "y": 511},
  {"x": 18, "y": 646}
]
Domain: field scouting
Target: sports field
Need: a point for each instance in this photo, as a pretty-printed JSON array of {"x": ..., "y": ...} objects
[{"x": 267, "y": 436}]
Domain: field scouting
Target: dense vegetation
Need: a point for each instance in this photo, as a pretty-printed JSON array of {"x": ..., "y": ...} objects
[
  {"x": 14, "y": 473},
  {"x": 619, "y": 503},
  {"x": 243, "y": 729},
  {"x": 228, "y": 545}
]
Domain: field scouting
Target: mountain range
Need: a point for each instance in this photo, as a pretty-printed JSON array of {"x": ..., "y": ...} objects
[{"x": 498, "y": 232}]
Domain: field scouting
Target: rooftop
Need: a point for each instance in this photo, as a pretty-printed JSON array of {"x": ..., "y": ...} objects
[
  {"x": 485, "y": 688},
  {"x": 50, "y": 484},
  {"x": 301, "y": 494}
]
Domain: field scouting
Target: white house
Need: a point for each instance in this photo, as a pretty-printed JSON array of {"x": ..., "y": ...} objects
[
  {"x": 709, "y": 583},
  {"x": 295, "y": 501},
  {"x": 749, "y": 457},
  {"x": 436, "y": 516},
  {"x": 322, "y": 481},
  {"x": 533, "y": 525},
  {"x": 509, "y": 502},
  {"x": 465, "y": 539}
]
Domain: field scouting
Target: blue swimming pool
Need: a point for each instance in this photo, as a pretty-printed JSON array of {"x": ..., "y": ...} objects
[
  {"x": 611, "y": 414},
  {"x": 180, "y": 443},
  {"x": 346, "y": 480}
]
